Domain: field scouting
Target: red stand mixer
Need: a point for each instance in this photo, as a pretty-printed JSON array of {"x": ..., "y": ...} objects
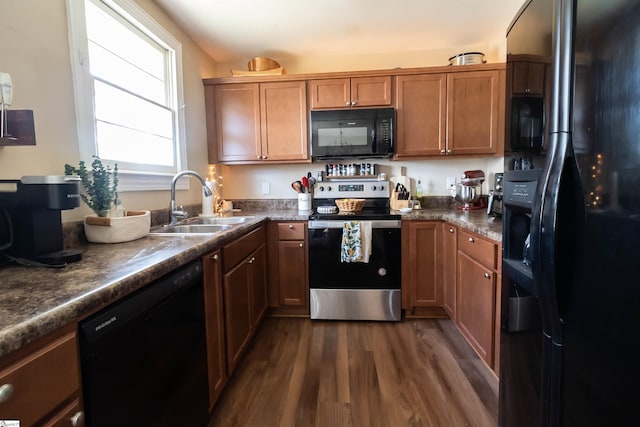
[{"x": 469, "y": 190}]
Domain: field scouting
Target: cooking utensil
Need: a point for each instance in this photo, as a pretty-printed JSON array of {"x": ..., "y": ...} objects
[
  {"x": 305, "y": 183},
  {"x": 297, "y": 186},
  {"x": 312, "y": 182}
]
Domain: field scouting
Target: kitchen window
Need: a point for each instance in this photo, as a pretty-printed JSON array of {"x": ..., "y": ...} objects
[{"x": 128, "y": 90}]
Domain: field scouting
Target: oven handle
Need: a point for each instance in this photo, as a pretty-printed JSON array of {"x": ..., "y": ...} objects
[{"x": 379, "y": 223}]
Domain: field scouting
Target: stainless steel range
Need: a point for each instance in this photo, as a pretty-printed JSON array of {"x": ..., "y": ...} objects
[{"x": 366, "y": 289}]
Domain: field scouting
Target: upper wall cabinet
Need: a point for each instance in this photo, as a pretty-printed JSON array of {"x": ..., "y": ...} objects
[
  {"x": 527, "y": 78},
  {"x": 257, "y": 122},
  {"x": 350, "y": 92},
  {"x": 475, "y": 112},
  {"x": 454, "y": 113},
  {"x": 421, "y": 114}
]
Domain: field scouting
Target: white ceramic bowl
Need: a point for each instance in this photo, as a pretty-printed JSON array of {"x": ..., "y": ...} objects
[{"x": 405, "y": 210}]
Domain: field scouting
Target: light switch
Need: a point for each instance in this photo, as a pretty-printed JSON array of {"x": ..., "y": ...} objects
[{"x": 265, "y": 188}]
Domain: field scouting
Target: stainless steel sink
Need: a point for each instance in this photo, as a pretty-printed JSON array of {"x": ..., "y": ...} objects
[
  {"x": 188, "y": 229},
  {"x": 199, "y": 226},
  {"x": 230, "y": 220}
]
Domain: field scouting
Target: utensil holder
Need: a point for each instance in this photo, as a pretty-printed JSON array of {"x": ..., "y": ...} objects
[{"x": 304, "y": 201}]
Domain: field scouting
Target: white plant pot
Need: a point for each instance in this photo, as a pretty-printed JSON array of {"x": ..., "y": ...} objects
[{"x": 134, "y": 225}]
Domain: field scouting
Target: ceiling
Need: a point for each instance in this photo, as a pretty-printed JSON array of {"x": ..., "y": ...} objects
[{"x": 232, "y": 30}]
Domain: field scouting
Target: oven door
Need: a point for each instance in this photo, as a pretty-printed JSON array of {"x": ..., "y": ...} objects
[{"x": 357, "y": 290}]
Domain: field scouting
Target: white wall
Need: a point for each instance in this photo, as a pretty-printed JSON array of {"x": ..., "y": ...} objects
[{"x": 35, "y": 51}]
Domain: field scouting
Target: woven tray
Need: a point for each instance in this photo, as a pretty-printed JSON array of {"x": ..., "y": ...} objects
[{"x": 350, "y": 205}]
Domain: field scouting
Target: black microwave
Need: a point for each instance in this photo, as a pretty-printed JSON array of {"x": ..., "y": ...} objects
[{"x": 354, "y": 133}]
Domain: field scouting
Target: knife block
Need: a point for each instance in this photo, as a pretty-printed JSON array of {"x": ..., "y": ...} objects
[{"x": 398, "y": 204}]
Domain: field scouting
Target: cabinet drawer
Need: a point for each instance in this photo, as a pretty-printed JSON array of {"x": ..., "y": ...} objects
[
  {"x": 41, "y": 381},
  {"x": 236, "y": 251},
  {"x": 291, "y": 231},
  {"x": 478, "y": 248}
]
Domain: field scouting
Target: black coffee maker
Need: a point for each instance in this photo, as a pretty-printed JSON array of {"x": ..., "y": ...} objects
[
  {"x": 30, "y": 219},
  {"x": 494, "y": 204}
]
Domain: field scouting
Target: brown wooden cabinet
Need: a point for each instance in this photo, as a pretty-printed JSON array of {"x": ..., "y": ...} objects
[
  {"x": 422, "y": 269},
  {"x": 40, "y": 385},
  {"x": 455, "y": 113},
  {"x": 477, "y": 262},
  {"x": 528, "y": 78},
  {"x": 244, "y": 292},
  {"x": 288, "y": 268},
  {"x": 450, "y": 251},
  {"x": 421, "y": 102},
  {"x": 214, "y": 317},
  {"x": 257, "y": 122},
  {"x": 354, "y": 92},
  {"x": 475, "y": 112}
]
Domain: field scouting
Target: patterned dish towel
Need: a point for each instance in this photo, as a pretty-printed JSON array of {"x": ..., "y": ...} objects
[{"x": 356, "y": 241}]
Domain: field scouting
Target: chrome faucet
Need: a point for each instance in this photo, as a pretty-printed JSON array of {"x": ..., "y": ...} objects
[{"x": 180, "y": 212}]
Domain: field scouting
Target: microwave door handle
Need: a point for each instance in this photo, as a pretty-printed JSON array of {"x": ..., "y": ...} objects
[{"x": 373, "y": 141}]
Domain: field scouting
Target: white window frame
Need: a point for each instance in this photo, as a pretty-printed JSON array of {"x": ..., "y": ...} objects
[{"x": 129, "y": 180}]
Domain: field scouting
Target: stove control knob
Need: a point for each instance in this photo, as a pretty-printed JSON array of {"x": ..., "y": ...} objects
[
  {"x": 328, "y": 188},
  {"x": 374, "y": 188},
  {"x": 382, "y": 188},
  {"x": 321, "y": 188}
]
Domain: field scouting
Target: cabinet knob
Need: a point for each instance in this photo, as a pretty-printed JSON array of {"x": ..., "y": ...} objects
[
  {"x": 259, "y": 157},
  {"x": 6, "y": 391},
  {"x": 290, "y": 226},
  {"x": 471, "y": 240},
  {"x": 353, "y": 103},
  {"x": 442, "y": 152},
  {"x": 348, "y": 103},
  {"x": 487, "y": 276},
  {"x": 301, "y": 245},
  {"x": 215, "y": 257},
  {"x": 449, "y": 151},
  {"x": 251, "y": 260},
  {"x": 77, "y": 419},
  {"x": 451, "y": 230},
  {"x": 265, "y": 157},
  {"x": 527, "y": 90}
]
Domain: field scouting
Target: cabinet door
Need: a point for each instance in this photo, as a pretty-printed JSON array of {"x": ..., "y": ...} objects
[
  {"x": 421, "y": 115},
  {"x": 330, "y": 93},
  {"x": 371, "y": 91},
  {"x": 475, "y": 305},
  {"x": 237, "y": 122},
  {"x": 283, "y": 111},
  {"x": 450, "y": 254},
  {"x": 237, "y": 312},
  {"x": 292, "y": 268},
  {"x": 214, "y": 317},
  {"x": 421, "y": 264},
  {"x": 473, "y": 111},
  {"x": 258, "y": 283},
  {"x": 528, "y": 78}
]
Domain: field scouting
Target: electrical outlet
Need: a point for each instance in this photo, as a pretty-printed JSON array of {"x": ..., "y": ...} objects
[
  {"x": 265, "y": 188},
  {"x": 451, "y": 183}
]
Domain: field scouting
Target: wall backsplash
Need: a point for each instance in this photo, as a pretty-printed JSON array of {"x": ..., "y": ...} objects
[{"x": 246, "y": 181}]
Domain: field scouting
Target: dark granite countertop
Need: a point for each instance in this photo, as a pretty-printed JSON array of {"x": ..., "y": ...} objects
[{"x": 36, "y": 301}]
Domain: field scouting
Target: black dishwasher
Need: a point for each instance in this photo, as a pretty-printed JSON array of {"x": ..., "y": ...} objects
[{"x": 143, "y": 359}]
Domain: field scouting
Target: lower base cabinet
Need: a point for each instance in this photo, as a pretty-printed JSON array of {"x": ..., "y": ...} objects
[
  {"x": 40, "y": 384},
  {"x": 422, "y": 279},
  {"x": 214, "y": 317},
  {"x": 477, "y": 294},
  {"x": 244, "y": 292},
  {"x": 288, "y": 269}
]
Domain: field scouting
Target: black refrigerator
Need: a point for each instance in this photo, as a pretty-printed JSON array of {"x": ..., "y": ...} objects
[{"x": 570, "y": 307}]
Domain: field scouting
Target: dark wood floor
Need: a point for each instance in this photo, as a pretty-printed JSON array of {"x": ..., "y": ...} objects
[{"x": 412, "y": 373}]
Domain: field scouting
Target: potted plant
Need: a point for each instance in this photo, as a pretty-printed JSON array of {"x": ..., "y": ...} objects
[
  {"x": 100, "y": 191},
  {"x": 100, "y": 184}
]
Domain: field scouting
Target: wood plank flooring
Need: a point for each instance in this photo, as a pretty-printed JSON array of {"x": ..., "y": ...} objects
[{"x": 300, "y": 372}]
